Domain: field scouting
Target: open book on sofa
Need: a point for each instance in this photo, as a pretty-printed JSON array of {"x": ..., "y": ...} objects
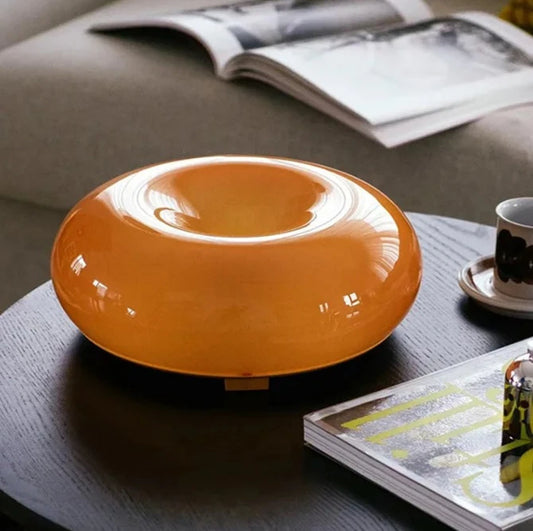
[{"x": 383, "y": 67}]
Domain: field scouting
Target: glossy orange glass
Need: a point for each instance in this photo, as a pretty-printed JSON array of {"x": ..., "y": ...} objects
[{"x": 236, "y": 266}]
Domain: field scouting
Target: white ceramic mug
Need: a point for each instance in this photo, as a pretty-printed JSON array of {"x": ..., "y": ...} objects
[{"x": 513, "y": 260}]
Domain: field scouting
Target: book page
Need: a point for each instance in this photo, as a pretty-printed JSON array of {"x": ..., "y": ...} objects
[
  {"x": 393, "y": 134},
  {"x": 391, "y": 74},
  {"x": 228, "y": 30}
]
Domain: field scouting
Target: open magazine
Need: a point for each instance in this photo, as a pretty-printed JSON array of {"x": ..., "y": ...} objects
[
  {"x": 439, "y": 443},
  {"x": 383, "y": 67}
]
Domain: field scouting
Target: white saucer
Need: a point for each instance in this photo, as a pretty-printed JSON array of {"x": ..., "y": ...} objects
[{"x": 475, "y": 280}]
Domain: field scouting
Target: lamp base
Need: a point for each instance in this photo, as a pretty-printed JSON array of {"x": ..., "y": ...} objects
[{"x": 246, "y": 384}]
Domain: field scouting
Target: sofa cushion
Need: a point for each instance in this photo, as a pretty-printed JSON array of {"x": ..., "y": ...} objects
[
  {"x": 23, "y": 18},
  {"x": 26, "y": 237},
  {"x": 109, "y": 103}
]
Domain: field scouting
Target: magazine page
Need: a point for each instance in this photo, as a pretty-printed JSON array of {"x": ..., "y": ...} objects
[
  {"x": 396, "y": 73},
  {"x": 228, "y": 30},
  {"x": 441, "y": 433},
  {"x": 394, "y": 134},
  {"x": 508, "y": 32}
]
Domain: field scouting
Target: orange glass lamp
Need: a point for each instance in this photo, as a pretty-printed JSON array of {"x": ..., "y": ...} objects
[{"x": 236, "y": 266}]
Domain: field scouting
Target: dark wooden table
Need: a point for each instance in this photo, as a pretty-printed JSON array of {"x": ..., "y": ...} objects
[{"x": 88, "y": 441}]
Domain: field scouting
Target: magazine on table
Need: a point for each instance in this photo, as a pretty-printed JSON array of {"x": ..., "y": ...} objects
[
  {"x": 383, "y": 67},
  {"x": 438, "y": 443}
]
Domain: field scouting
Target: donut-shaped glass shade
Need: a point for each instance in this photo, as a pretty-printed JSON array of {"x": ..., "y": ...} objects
[{"x": 236, "y": 266}]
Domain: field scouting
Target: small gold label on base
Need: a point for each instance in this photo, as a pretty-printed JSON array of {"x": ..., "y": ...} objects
[{"x": 246, "y": 384}]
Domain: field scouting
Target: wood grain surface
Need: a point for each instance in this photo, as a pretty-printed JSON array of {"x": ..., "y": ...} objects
[{"x": 88, "y": 441}]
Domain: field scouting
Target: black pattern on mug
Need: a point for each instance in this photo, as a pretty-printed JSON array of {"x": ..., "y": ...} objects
[{"x": 514, "y": 258}]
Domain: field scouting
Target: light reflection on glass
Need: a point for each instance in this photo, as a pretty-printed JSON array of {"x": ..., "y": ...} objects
[
  {"x": 78, "y": 264},
  {"x": 382, "y": 240},
  {"x": 324, "y": 307},
  {"x": 157, "y": 197},
  {"x": 351, "y": 299},
  {"x": 351, "y": 314},
  {"x": 101, "y": 288},
  {"x": 166, "y": 197},
  {"x": 106, "y": 298}
]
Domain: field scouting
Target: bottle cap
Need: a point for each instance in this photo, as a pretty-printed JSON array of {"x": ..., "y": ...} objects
[{"x": 518, "y": 398}]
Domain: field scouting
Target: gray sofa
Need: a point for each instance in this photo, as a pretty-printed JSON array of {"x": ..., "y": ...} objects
[{"x": 78, "y": 109}]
